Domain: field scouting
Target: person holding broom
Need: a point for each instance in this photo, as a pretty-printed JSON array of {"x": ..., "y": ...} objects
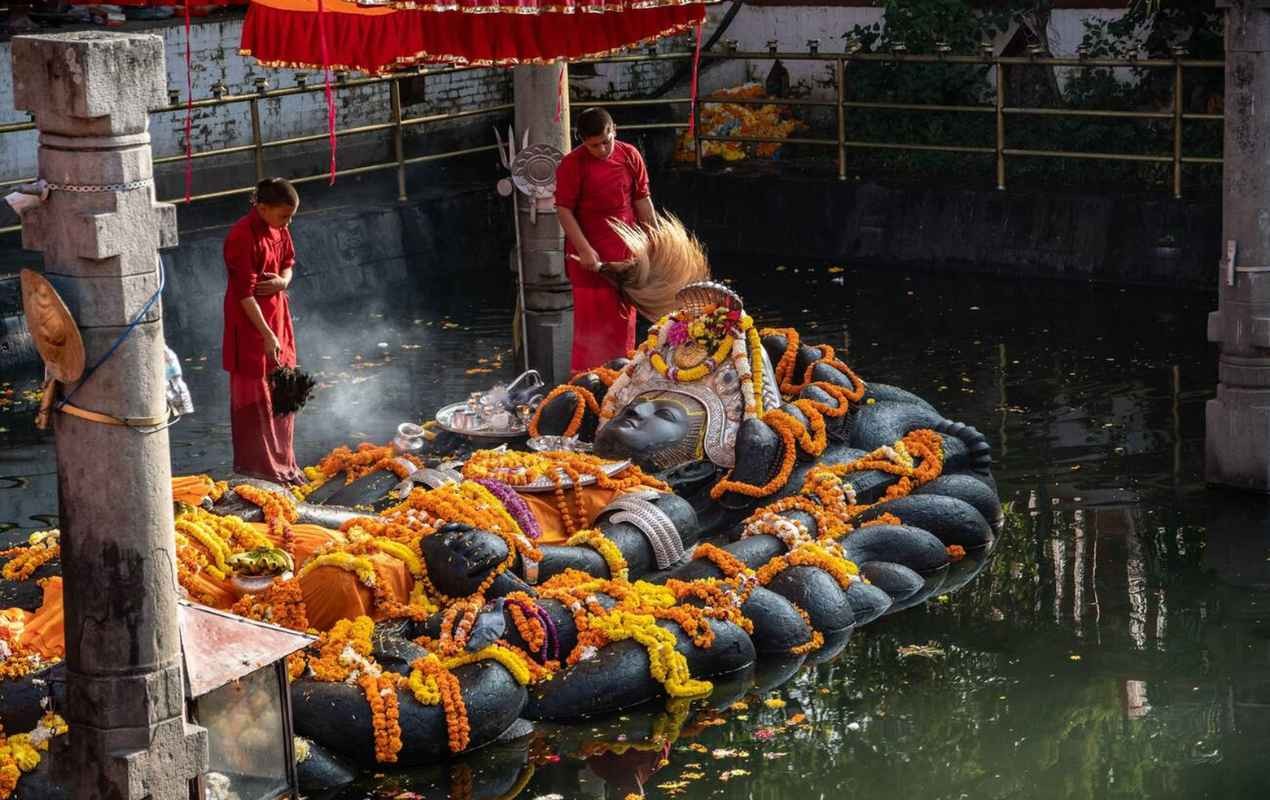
[
  {"x": 602, "y": 179},
  {"x": 260, "y": 257}
]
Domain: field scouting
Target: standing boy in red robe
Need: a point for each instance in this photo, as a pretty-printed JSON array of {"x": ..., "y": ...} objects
[
  {"x": 599, "y": 180},
  {"x": 259, "y": 257}
]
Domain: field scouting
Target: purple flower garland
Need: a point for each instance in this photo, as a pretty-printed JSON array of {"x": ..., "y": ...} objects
[{"x": 515, "y": 505}]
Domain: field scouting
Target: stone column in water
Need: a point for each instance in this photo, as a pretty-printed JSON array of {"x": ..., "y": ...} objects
[
  {"x": 99, "y": 232},
  {"x": 548, "y": 296},
  {"x": 1237, "y": 445}
]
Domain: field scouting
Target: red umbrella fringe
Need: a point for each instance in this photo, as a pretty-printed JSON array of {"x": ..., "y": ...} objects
[{"x": 381, "y": 43}]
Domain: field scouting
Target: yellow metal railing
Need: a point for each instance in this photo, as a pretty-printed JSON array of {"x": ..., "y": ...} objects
[{"x": 840, "y": 104}]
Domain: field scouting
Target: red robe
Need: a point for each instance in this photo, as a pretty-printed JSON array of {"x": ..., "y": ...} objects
[
  {"x": 597, "y": 190},
  {"x": 262, "y": 441}
]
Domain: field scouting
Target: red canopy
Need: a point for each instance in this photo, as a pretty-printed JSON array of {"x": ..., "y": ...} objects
[{"x": 289, "y": 33}]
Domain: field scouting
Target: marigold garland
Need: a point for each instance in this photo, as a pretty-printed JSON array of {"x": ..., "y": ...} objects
[
  {"x": 518, "y": 469},
  {"x": 824, "y": 555},
  {"x": 367, "y": 458},
  {"x": 41, "y": 548},
  {"x": 817, "y": 638},
  {"x": 432, "y": 684},
  {"x": 792, "y": 432},
  {"x": 597, "y": 541},
  {"x": 343, "y": 651},
  {"x": 585, "y": 400},
  {"x": 531, "y": 629},
  {"x": 281, "y": 603},
  {"x": 279, "y": 512},
  {"x": 20, "y": 752},
  {"x": 728, "y": 564},
  {"x": 666, "y": 664},
  {"x": 381, "y": 696},
  {"x": 18, "y": 659}
]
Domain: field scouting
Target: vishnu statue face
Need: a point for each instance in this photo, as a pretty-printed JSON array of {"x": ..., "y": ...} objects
[{"x": 657, "y": 430}]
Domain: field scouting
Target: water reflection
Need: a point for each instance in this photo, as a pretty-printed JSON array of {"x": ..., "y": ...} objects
[{"x": 1117, "y": 646}]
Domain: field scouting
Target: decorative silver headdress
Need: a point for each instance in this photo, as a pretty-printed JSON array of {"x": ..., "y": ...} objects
[{"x": 666, "y": 362}]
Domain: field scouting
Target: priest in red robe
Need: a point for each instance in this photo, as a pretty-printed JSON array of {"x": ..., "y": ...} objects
[
  {"x": 599, "y": 180},
  {"x": 259, "y": 256}
]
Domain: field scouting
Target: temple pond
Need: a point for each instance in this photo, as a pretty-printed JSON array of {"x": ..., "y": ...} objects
[{"x": 1115, "y": 647}]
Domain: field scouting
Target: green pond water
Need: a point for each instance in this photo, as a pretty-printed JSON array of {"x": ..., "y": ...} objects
[{"x": 1116, "y": 646}]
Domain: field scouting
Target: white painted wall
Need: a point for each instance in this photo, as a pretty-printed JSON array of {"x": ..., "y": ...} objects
[
  {"x": 214, "y": 51},
  {"x": 793, "y": 26}
]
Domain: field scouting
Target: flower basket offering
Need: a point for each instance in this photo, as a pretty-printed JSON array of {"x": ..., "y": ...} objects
[
  {"x": 290, "y": 389},
  {"x": 729, "y": 119}
]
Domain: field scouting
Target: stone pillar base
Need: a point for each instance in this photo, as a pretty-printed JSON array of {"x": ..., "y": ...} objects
[
  {"x": 550, "y": 343},
  {"x": 1237, "y": 427}
]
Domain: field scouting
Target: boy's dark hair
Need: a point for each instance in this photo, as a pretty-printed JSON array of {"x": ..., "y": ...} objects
[
  {"x": 593, "y": 122},
  {"x": 276, "y": 192}
]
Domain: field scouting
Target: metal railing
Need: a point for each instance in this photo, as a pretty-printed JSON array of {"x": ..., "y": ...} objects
[
  {"x": 842, "y": 106},
  {"x": 999, "y": 109}
]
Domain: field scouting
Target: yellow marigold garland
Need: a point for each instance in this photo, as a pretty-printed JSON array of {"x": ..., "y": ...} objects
[
  {"x": 432, "y": 684},
  {"x": 342, "y": 650},
  {"x": 20, "y": 752},
  {"x": 613, "y": 558},
  {"x": 823, "y": 555},
  {"x": 666, "y": 664}
]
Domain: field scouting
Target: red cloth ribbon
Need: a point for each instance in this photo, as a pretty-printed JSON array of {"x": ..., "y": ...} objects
[
  {"x": 326, "y": 74},
  {"x": 560, "y": 90},
  {"x": 696, "y": 70},
  {"x": 189, "y": 109}
]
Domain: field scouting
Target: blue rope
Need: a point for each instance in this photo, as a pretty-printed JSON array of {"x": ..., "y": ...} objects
[{"x": 136, "y": 320}]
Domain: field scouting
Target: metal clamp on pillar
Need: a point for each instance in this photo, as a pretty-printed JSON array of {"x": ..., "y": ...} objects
[{"x": 1228, "y": 266}]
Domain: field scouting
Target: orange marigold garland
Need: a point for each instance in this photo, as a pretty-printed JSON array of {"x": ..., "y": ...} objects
[
  {"x": 433, "y": 684},
  {"x": 381, "y": 696},
  {"x": 728, "y": 564},
  {"x": 41, "y": 548},
  {"x": 585, "y": 401},
  {"x": 281, "y": 603},
  {"x": 823, "y": 555},
  {"x": 367, "y": 458}
]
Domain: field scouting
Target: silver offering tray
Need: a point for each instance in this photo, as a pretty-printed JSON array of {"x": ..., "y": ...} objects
[
  {"x": 502, "y": 412},
  {"x": 543, "y": 444},
  {"x": 460, "y": 419}
]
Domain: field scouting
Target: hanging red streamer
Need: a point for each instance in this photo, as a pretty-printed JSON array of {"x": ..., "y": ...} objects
[
  {"x": 560, "y": 91},
  {"x": 189, "y": 109},
  {"x": 326, "y": 74},
  {"x": 696, "y": 70}
]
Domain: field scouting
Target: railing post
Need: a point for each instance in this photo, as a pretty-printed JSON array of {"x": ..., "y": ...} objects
[
  {"x": 696, "y": 133},
  {"x": 398, "y": 149},
  {"x": 1000, "y": 126},
  {"x": 1177, "y": 130},
  {"x": 256, "y": 140},
  {"x": 839, "y": 76}
]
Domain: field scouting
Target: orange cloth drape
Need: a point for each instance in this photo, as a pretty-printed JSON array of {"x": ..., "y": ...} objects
[
  {"x": 543, "y": 504},
  {"x": 332, "y": 593},
  {"x": 44, "y": 630},
  {"x": 306, "y": 539}
]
